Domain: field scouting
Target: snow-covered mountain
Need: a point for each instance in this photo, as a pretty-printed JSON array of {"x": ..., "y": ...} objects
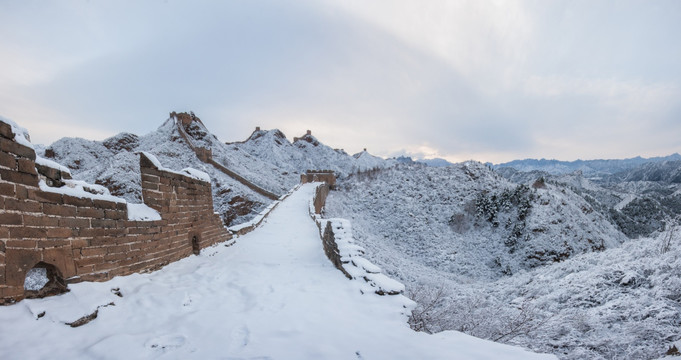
[
  {"x": 469, "y": 221},
  {"x": 588, "y": 167},
  {"x": 537, "y": 264},
  {"x": 574, "y": 258},
  {"x": 266, "y": 158}
]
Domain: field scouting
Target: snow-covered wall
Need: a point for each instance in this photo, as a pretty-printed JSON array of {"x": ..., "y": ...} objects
[
  {"x": 82, "y": 233},
  {"x": 346, "y": 256}
]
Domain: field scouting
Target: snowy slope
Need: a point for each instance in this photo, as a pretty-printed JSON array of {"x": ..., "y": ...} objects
[
  {"x": 273, "y": 295},
  {"x": 307, "y": 152},
  {"x": 266, "y": 159},
  {"x": 435, "y": 216},
  {"x": 114, "y": 163},
  {"x": 610, "y": 302}
]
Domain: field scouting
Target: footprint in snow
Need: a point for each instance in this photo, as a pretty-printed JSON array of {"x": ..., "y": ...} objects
[
  {"x": 187, "y": 300},
  {"x": 239, "y": 338},
  {"x": 165, "y": 343}
]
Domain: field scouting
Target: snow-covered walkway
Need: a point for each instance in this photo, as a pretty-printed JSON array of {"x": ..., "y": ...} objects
[{"x": 273, "y": 295}]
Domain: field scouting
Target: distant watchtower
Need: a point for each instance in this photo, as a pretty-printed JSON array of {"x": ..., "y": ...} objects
[
  {"x": 326, "y": 176},
  {"x": 308, "y": 133}
]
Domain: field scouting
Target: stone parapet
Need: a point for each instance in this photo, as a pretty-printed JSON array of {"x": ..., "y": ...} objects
[{"x": 90, "y": 238}]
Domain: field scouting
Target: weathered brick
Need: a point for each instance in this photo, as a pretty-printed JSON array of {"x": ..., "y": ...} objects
[
  {"x": 115, "y": 214},
  {"x": 89, "y": 261},
  {"x": 149, "y": 186},
  {"x": 45, "y": 196},
  {"x": 7, "y": 189},
  {"x": 104, "y": 204},
  {"x": 18, "y": 178},
  {"x": 87, "y": 252},
  {"x": 27, "y": 232},
  {"x": 53, "y": 243},
  {"x": 116, "y": 258},
  {"x": 103, "y": 223},
  {"x": 26, "y": 166},
  {"x": 108, "y": 241},
  {"x": 16, "y": 148},
  {"x": 117, "y": 249},
  {"x": 77, "y": 201},
  {"x": 150, "y": 178},
  {"x": 92, "y": 232},
  {"x": 22, "y": 205},
  {"x": 22, "y": 243},
  {"x": 84, "y": 270},
  {"x": 40, "y": 220},
  {"x": 61, "y": 258},
  {"x": 8, "y": 161},
  {"x": 79, "y": 243},
  {"x": 4, "y": 232},
  {"x": 22, "y": 192},
  {"x": 74, "y": 223},
  {"x": 10, "y": 219},
  {"x": 90, "y": 212},
  {"x": 126, "y": 223},
  {"x": 6, "y": 131},
  {"x": 104, "y": 266},
  {"x": 58, "y": 209},
  {"x": 60, "y": 233}
]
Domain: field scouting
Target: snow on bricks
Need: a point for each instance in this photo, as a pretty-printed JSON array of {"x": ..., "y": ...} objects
[
  {"x": 346, "y": 256},
  {"x": 78, "y": 232}
]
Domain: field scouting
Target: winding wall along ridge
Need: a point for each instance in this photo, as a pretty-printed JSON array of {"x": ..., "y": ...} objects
[{"x": 205, "y": 155}]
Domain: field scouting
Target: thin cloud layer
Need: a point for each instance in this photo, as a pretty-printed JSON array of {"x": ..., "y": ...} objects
[{"x": 453, "y": 79}]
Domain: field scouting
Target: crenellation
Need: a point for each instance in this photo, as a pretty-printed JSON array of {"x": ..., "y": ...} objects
[{"x": 90, "y": 239}]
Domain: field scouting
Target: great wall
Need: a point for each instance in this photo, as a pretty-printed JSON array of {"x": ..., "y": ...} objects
[
  {"x": 182, "y": 121},
  {"x": 89, "y": 237}
]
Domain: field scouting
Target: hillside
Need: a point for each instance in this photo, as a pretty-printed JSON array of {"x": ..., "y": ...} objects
[
  {"x": 588, "y": 167},
  {"x": 639, "y": 202},
  {"x": 570, "y": 284},
  {"x": 467, "y": 220},
  {"x": 266, "y": 159}
]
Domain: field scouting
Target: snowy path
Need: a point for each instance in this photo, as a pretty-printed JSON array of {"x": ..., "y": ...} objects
[{"x": 273, "y": 295}]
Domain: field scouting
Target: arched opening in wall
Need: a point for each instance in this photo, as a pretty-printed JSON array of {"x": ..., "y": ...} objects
[
  {"x": 195, "y": 244},
  {"x": 43, "y": 280}
]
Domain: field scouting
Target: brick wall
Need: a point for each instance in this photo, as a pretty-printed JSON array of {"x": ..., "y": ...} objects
[
  {"x": 344, "y": 254},
  {"x": 325, "y": 176},
  {"x": 87, "y": 239}
]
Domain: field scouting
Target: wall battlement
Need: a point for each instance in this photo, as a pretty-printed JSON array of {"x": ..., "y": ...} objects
[
  {"x": 325, "y": 176},
  {"x": 83, "y": 238}
]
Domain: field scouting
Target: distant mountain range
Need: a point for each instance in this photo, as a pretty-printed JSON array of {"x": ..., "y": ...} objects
[{"x": 588, "y": 167}]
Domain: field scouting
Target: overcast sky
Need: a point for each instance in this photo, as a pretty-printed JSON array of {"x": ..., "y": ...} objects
[{"x": 485, "y": 80}]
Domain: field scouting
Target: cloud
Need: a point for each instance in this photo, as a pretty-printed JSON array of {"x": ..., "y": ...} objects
[{"x": 456, "y": 79}]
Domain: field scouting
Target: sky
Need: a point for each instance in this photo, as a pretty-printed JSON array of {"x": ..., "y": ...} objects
[{"x": 491, "y": 81}]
